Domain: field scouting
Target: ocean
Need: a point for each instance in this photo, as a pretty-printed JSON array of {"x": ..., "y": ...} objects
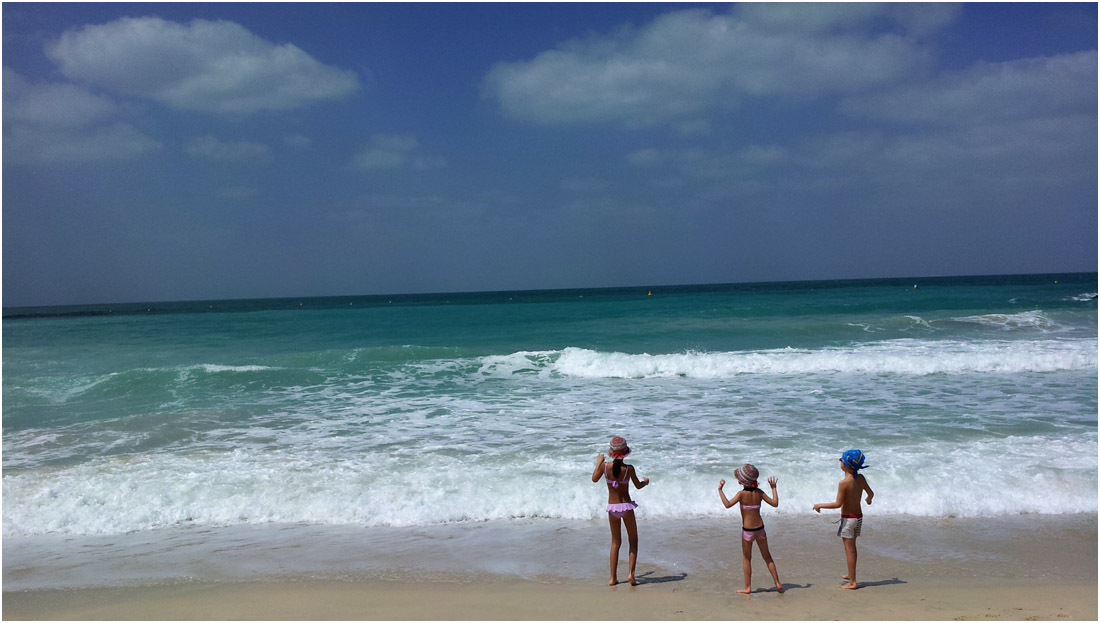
[{"x": 199, "y": 432}]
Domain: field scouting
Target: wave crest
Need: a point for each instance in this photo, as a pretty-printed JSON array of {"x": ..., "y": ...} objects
[{"x": 905, "y": 357}]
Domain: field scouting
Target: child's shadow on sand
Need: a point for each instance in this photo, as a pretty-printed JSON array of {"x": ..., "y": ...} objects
[
  {"x": 646, "y": 578},
  {"x": 882, "y": 583},
  {"x": 786, "y": 587}
]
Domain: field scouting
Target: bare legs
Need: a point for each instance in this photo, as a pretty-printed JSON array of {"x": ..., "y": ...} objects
[
  {"x": 767, "y": 555},
  {"x": 746, "y": 563},
  {"x": 617, "y": 540},
  {"x": 850, "y": 553}
]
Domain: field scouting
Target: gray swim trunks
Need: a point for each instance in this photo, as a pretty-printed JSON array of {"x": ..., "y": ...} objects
[{"x": 849, "y": 527}]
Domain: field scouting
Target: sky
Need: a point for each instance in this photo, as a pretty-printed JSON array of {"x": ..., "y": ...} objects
[{"x": 193, "y": 151}]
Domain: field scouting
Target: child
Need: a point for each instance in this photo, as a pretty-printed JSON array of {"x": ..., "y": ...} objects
[
  {"x": 752, "y": 526},
  {"x": 620, "y": 508},
  {"x": 851, "y": 514}
]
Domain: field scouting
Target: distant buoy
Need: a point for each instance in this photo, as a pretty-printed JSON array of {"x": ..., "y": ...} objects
[
  {"x": 650, "y": 293},
  {"x": 391, "y": 302}
]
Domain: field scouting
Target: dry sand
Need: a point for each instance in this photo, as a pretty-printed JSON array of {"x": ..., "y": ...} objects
[{"x": 496, "y": 598}]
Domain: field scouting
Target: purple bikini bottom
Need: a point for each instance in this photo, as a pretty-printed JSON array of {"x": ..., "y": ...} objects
[{"x": 618, "y": 510}]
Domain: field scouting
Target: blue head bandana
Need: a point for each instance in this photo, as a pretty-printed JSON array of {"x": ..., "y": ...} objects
[{"x": 854, "y": 460}]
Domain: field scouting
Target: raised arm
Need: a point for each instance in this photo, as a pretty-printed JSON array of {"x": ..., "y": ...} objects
[
  {"x": 774, "y": 499},
  {"x": 634, "y": 477},
  {"x": 596, "y": 473},
  {"x": 837, "y": 504},
  {"x": 727, "y": 502}
]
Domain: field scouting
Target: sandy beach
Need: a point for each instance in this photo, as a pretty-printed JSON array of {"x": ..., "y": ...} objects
[{"x": 954, "y": 569}]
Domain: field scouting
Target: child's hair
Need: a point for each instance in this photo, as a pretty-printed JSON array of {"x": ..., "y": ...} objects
[{"x": 616, "y": 467}]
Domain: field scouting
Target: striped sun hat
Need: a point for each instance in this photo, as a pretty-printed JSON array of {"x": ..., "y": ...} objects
[
  {"x": 618, "y": 449},
  {"x": 747, "y": 475}
]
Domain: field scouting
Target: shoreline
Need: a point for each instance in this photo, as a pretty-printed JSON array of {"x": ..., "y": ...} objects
[{"x": 1008, "y": 568}]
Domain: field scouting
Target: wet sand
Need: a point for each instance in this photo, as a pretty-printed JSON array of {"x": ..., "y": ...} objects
[{"x": 948, "y": 569}]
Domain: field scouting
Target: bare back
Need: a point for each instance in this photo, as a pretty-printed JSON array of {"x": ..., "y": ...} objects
[
  {"x": 750, "y": 508},
  {"x": 849, "y": 493},
  {"x": 618, "y": 489}
]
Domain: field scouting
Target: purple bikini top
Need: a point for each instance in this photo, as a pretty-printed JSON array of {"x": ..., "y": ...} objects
[{"x": 615, "y": 483}]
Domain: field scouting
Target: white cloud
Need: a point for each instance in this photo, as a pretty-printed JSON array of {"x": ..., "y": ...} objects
[
  {"x": 216, "y": 67},
  {"x": 387, "y": 151},
  {"x": 52, "y": 104},
  {"x": 112, "y": 142},
  {"x": 237, "y": 151},
  {"x": 688, "y": 62},
  {"x": 298, "y": 140},
  {"x": 56, "y": 122},
  {"x": 705, "y": 164},
  {"x": 914, "y": 19},
  {"x": 991, "y": 92}
]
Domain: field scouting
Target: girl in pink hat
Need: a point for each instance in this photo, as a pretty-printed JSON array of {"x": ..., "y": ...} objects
[
  {"x": 620, "y": 508},
  {"x": 752, "y": 525}
]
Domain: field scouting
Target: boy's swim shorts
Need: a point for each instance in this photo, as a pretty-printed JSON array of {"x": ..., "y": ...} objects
[{"x": 849, "y": 527}]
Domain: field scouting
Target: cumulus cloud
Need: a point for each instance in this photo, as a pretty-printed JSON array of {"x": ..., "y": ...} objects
[
  {"x": 687, "y": 62},
  {"x": 915, "y": 19},
  {"x": 214, "y": 67},
  {"x": 298, "y": 140},
  {"x": 237, "y": 151},
  {"x": 710, "y": 164},
  {"x": 56, "y": 122},
  {"x": 387, "y": 151},
  {"x": 991, "y": 92}
]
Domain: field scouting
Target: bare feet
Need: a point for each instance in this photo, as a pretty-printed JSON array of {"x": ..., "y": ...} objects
[
  {"x": 850, "y": 586},
  {"x": 844, "y": 577},
  {"x": 779, "y": 588},
  {"x": 613, "y": 582},
  {"x": 745, "y": 591},
  {"x": 633, "y": 582}
]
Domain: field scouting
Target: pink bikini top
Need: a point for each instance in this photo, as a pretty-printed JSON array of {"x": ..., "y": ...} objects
[
  {"x": 615, "y": 483},
  {"x": 750, "y": 507}
]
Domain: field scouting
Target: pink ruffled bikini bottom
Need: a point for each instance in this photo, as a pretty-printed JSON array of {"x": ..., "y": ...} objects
[{"x": 618, "y": 510}]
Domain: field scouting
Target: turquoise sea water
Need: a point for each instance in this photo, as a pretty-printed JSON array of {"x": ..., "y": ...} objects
[{"x": 434, "y": 409}]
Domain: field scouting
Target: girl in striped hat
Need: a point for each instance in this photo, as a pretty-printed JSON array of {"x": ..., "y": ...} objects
[
  {"x": 620, "y": 508},
  {"x": 752, "y": 525}
]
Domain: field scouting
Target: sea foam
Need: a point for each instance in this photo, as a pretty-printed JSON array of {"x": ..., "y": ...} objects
[
  {"x": 904, "y": 357},
  {"x": 128, "y": 494}
]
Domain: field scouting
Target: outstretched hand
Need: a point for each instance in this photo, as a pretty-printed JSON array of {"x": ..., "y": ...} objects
[
  {"x": 721, "y": 483},
  {"x": 599, "y": 458},
  {"x": 772, "y": 481},
  {"x": 817, "y": 508}
]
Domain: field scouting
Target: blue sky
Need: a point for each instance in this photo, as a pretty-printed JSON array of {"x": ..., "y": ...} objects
[{"x": 178, "y": 151}]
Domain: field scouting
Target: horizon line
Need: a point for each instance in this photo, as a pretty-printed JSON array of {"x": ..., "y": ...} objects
[{"x": 533, "y": 290}]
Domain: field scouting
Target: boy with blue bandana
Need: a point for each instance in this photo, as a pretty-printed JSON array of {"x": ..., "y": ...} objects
[{"x": 851, "y": 513}]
